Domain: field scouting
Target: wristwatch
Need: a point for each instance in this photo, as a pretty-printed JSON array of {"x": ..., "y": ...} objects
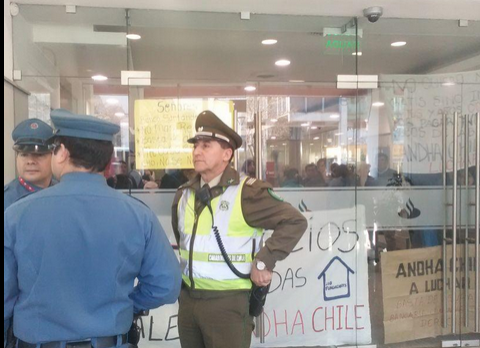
[{"x": 261, "y": 266}]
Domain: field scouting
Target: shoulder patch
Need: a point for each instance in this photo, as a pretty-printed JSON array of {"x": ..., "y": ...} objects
[
  {"x": 251, "y": 181},
  {"x": 275, "y": 196}
]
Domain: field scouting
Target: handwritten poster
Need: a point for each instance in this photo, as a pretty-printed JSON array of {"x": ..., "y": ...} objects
[
  {"x": 163, "y": 127},
  {"x": 413, "y": 293},
  {"x": 415, "y": 104},
  {"x": 319, "y": 294}
]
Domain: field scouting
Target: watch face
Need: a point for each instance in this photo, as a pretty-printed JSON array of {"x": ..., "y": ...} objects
[{"x": 261, "y": 266}]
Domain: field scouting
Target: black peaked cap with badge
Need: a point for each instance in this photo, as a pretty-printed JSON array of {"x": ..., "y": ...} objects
[
  {"x": 210, "y": 126},
  {"x": 32, "y": 136}
]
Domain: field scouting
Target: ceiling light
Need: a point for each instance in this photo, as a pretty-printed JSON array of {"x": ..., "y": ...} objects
[
  {"x": 250, "y": 88},
  {"x": 335, "y": 116},
  {"x": 316, "y": 138},
  {"x": 120, "y": 114},
  {"x": 378, "y": 104},
  {"x": 357, "y": 54},
  {"x": 448, "y": 84},
  {"x": 297, "y": 81},
  {"x": 311, "y": 144},
  {"x": 399, "y": 44},
  {"x": 282, "y": 62},
  {"x": 112, "y": 101},
  {"x": 99, "y": 78},
  {"x": 329, "y": 140},
  {"x": 269, "y": 42},
  {"x": 314, "y": 128},
  {"x": 273, "y": 138},
  {"x": 305, "y": 124},
  {"x": 338, "y": 134},
  {"x": 133, "y": 37},
  {"x": 284, "y": 144},
  {"x": 274, "y": 120}
]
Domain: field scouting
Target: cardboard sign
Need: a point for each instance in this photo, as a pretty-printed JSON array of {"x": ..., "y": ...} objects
[{"x": 413, "y": 293}]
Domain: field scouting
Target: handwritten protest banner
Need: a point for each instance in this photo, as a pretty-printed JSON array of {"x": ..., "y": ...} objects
[
  {"x": 415, "y": 104},
  {"x": 413, "y": 293},
  {"x": 319, "y": 295},
  {"x": 162, "y": 128}
]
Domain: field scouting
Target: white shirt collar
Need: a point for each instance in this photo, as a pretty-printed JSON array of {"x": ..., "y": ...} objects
[{"x": 212, "y": 183}]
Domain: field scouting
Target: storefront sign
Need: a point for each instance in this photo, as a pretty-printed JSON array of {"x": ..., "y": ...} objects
[{"x": 413, "y": 293}]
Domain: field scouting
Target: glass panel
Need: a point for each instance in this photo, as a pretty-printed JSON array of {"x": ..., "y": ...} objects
[
  {"x": 50, "y": 42},
  {"x": 432, "y": 71},
  {"x": 196, "y": 46},
  {"x": 405, "y": 140}
]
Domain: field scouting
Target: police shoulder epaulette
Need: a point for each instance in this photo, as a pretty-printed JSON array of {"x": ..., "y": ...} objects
[
  {"x": 251, "y": 181},
  {"x": 6, "y": 188}
]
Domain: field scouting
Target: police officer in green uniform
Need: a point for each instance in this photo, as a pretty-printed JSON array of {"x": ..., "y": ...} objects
[
  {"x": 33, "y": 160},
  {"x": 214, "y": 302}
]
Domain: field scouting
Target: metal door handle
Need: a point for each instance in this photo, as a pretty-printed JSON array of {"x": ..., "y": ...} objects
[
  {"x": 467, "y": 221},
  {"x": 445, "y": 240},
  {"x": 477, "y": 228},
  {"x": 454, "y": 223}
]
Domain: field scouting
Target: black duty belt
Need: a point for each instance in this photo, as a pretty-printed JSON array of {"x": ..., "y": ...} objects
[{"x": 101, "y": 342}]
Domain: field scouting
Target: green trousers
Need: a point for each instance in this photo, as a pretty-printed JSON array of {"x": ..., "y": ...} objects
[{"x": 222, "y": 322}]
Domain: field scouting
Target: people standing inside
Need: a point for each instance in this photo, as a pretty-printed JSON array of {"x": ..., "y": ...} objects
[
  {"x": 249, "y": 169},
  {"x": 33, "y": 160},
  {"x": 322, "y": 170},
  {"x": 386, "y": 175},
  {"x": 72, "y": 253},
  {"x": 217, "y": 207},
  {"x": 313, "y": 177}
]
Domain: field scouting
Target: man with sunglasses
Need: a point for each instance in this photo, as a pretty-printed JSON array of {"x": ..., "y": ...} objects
[
  {"x": 72, "y": 253},
  {"x": 33, "y": 161}
]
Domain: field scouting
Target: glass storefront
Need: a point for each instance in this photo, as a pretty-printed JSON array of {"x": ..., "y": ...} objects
[{"x": 376, "y": 144}]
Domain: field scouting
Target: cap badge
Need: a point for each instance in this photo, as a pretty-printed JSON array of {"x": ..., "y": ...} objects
[
  {"x": 34, "y": 126},
  {"x": 200, "y": 129}
]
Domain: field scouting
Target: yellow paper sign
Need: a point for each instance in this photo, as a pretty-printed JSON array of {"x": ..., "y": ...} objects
[{"x": 163, "y": 127}]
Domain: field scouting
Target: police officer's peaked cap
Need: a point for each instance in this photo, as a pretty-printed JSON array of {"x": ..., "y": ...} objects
[
  {"x": 32, "y": 136},
  {"x": 70, "y": 125},
  {"x": 209, "y": 126}
]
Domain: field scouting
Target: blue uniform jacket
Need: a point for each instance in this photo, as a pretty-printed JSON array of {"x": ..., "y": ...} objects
[
  {"x": 71, "y": 256},
  {"x": 15, "y": 191}
]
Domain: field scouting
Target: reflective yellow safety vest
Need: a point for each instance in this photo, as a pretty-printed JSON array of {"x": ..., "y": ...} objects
[{"x": 242, "y": 242}]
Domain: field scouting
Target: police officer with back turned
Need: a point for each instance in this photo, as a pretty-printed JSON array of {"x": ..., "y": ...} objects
[
  {"x": 72, "y": 252},
  {"x": 218, "y": 220}
]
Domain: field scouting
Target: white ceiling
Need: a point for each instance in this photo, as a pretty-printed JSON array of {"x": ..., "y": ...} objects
[
  {"x": 189, "y": 46},
  {"x": 428, "y": 9}
]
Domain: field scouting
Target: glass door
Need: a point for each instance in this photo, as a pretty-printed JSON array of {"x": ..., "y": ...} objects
[{"x": 420, "y": 202}]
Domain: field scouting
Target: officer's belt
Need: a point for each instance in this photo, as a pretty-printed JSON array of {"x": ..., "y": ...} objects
[{"x": 101, "y": 342}]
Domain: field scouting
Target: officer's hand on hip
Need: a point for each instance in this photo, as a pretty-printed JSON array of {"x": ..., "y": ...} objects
[{"x": 261, "y": 276}]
